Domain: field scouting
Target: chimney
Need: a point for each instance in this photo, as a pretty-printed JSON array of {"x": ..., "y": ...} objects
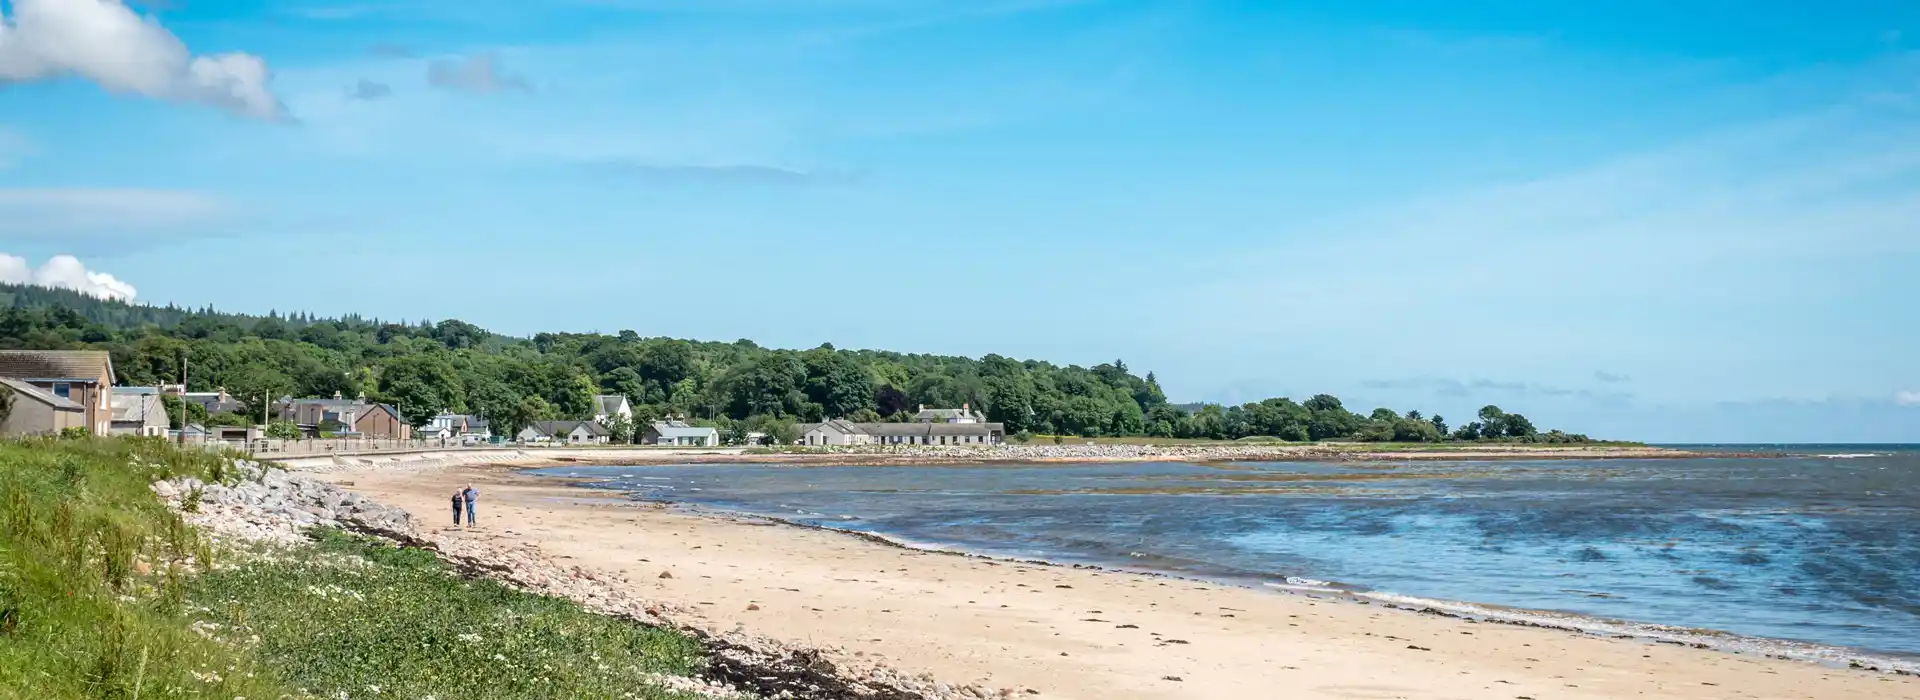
[
  {"x": 923, "y": 407},
  {"x": 336, "y": 394}
]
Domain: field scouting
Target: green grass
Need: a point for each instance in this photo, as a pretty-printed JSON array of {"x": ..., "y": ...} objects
[
  {"x": 104, "y": 593},
  {"x": 349, "y": 615},
  {"x": 80, "y": 619}
]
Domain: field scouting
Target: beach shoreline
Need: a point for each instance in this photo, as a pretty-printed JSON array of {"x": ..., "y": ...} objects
[
  {"x": 1065, "y": 631},
  {"x": 535, "y": 457}
]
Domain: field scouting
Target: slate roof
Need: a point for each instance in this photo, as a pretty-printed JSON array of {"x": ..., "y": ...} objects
[
  {"x": 35, "y": 393},
  {"x": 79, "y": 365},
  {"x": 552, "y": 428},
  {"x": 678, "y": 429},
  {"x": 608, "y": 403},
  {"x": 911, "y": 429},
  {"x": 133, "y": 403}
]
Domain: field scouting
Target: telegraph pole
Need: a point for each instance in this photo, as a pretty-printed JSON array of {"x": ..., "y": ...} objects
[{"x": 181, "y": 437}]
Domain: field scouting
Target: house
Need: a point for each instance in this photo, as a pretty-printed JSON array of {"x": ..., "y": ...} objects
[
  {"x": 963, "y": 414},
  {"x": 834, "y": 432},
  {"x": 840, "y": 432},
  {"x": 215, "y": 402},
  {"x": 37, "y": 411},
  {"x": 572, "y": 432},
  {"x": 340, "y": 415},
  {"x": 673, "y": 432},
  {"x": 84, "y": 377},
  {"x": 138, "y": 410},
  {"x": 606, "y": 406},
  {"x": 452, "y": 426}
]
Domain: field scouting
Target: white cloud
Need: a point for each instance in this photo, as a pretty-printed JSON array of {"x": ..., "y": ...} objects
[
  {"x": 64, "y": 272},
  {"x": 1907, "y": 398},
  {"x": 65, "y": 213},
  {"x": 108, "y": 43}
]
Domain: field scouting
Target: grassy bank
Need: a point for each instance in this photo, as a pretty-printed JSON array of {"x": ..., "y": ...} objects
[{"x": 105, "y": 593}]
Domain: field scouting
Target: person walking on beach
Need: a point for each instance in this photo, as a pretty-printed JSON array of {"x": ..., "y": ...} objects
[
  {"x": 470, "y": 496},
  {"x": 456, "y": 508}
]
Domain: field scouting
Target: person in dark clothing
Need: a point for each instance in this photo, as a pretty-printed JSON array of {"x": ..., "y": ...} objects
[
  {"x": 470, "y": 495},
  {"x": 456, "y": 507}
]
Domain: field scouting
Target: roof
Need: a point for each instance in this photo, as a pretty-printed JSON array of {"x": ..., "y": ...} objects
[
  {"x": 21, "y": 388},
  {"x": 911, "y": 429},
  {"x": 609, "y": 403},
  {"x": 836, "y": 425},
  {"x": 82, "y": 365},
  {"x": 678, "y": 429},
  {"x": 566, "y": 427},
  {"x": 134, "y": 403}
]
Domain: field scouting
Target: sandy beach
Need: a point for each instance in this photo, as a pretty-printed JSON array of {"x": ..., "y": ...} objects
[{"x": 1057, "y": 632}]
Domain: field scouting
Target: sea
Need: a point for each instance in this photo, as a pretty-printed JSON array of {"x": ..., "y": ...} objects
[{"x": 1817, "y": 544}]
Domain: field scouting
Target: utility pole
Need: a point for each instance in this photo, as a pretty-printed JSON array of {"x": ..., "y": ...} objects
[{"x": 181, "y": 437}]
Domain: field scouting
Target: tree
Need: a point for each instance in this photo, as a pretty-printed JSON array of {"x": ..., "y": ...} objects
[
  {"x": 889, "y": 400},
  {"x": 6, "y": 402},
  {"x": 283, "y": 430},
  {"x": 1439, "y": 424},
  {"x": 619, "y": 428}
]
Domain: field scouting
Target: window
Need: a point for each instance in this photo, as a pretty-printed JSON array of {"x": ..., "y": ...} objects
[{"x": 63, "y": 390}]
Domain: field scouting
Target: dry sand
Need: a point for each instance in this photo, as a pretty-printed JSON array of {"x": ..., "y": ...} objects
[{"x": 1054, "y": 632}]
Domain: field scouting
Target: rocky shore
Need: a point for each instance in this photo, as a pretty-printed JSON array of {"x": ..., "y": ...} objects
[{"x": 269, "y": 506}]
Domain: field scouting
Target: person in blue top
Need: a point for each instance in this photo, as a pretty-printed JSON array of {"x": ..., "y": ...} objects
[
  {"x": 470, "y": 495},
  {"x": 456, "y": 507}
]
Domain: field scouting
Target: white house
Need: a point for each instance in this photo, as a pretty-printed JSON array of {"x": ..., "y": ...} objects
[
  {"x": 452, "y": 426},
  {"x": 674, "y": 432},
  {"x": 606, "y": 406},
  {"x": 954, "y": 432},
  {"x": 137, "y": 410},
  {"x": 572, "y": 432}
]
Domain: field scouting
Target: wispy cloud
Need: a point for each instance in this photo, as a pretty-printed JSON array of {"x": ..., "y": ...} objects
[
  {"x": 64, "y": 272},
  {"x": 761, "y": 175},
  {"x": 109, "y": 44},
  {"x": 479, "y": 73},
  {"x": 65, "y": 214},
  {"x": 369, "y": 90},
  {"x": 1610, "y": 377},
  {"x": 1907, "y": 398}
]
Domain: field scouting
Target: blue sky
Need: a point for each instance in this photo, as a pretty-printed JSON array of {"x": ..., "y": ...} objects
[{"x": 1674, "y": 221}]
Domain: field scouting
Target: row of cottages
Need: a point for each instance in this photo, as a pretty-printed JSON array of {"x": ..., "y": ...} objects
[
  {"x": 938, "y": 426},
  {"x": 353, "y": 418},
  {"x": 54, "y": 390},
  {"x": 572, "y": 432},
  {"x": 679, "y": 434}
]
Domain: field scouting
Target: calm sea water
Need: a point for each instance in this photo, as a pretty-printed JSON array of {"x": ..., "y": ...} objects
[{"x": 1823, "y": 549}]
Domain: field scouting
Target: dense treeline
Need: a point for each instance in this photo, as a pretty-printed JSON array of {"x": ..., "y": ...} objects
[{"x": 455, "y": 366}]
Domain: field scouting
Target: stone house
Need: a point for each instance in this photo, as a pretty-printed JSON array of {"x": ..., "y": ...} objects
[
  {"x": 353, "y": 416},
  {"x": 84, "y": 377},
  {"x": 678, "y": 433},
  {"x": 572, "y": 432},
  {"x": 37, "y": 412},
  {"x": 138, "y": 410}
]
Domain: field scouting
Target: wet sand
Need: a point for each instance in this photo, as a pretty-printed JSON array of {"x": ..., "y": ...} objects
[{"x": 1055, "y": 632}]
